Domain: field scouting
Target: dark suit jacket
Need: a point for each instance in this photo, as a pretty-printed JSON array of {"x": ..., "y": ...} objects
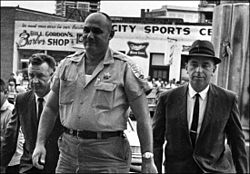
[
  {"x": 25, "y": 115},
  {"x": 211, "y": 154}
]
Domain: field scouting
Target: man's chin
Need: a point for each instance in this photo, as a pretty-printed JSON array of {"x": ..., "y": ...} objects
[{"x": 38, "y": 92}]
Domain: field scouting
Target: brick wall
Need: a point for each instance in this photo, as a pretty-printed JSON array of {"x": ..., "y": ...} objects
[
  {"x": 7, "y": 39},
  {"x": 8, "y": 17}
]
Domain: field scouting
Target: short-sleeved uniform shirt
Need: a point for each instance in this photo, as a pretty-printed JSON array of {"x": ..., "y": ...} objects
[{"x": 101, "y": 103}]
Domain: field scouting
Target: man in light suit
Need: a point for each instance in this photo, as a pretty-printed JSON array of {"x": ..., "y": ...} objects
[
  {"x": 26, "y": 114},
  {"x": 204, "y": 134}
]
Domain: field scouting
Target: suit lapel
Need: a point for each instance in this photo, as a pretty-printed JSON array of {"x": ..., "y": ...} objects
[
  {"x": 182, "y": 108},
  {"x": 212, "y": 103},
  {"x": 32, "y": 113}
]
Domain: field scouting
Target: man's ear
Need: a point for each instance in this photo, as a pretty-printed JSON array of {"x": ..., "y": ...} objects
[
  {"x": 51, "y": 75},
  {"x": 186, "y": 67},
  {"x": 111, "y": 35},
  {"x": 214, "y": 68}
]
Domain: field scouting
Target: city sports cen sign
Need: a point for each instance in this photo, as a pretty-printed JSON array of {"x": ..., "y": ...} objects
[{"x": 162, "y": 32}]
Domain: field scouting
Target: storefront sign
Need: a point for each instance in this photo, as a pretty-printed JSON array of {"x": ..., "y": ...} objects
[
  {"x": 137, "y": 49},
  {"x": 68, "y": 35},
  {"x": 48, "y": 35},
  {"x": 159, "y": 31}
]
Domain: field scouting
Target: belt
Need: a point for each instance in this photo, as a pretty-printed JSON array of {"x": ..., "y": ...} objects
[{"x": 92, "y": 135}]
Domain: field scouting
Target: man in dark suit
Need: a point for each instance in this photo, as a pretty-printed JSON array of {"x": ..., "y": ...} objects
[
  {"x": 28, "y": 107},
  {"x": 199, "y": 122}
]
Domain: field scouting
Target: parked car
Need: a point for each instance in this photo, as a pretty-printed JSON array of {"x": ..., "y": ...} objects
[
  {"x": 151, "y": 97},
  {"x": 133, "y": 139}
]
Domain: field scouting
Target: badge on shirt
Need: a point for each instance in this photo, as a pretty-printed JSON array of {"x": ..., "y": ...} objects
[{"x": 106, "y": 76}]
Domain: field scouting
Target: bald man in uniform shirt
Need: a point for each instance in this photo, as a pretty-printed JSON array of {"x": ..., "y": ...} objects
[{"x": 93, "y": 90}]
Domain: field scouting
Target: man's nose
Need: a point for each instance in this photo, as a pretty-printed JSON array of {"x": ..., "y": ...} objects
[
  {"x": 35, "y": 80},
  {"x": 90, "y": 34},
  {"x": 199, "y": 68}
]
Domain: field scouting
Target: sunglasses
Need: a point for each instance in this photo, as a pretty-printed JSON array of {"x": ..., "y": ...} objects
[{"x": 94, "y": 30}]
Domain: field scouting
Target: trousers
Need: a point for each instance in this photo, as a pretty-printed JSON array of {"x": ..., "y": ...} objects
[{"x": 77, "y": 155}]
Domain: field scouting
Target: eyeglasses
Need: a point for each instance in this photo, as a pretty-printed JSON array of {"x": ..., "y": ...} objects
[{"x": 94, "y": 30}]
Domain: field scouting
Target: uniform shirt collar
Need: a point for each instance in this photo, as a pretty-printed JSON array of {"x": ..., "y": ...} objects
[
  {"x": 108, "y": 58},
  {"x": 192, "y": 92},
  {"x": 77, "y": 56}
]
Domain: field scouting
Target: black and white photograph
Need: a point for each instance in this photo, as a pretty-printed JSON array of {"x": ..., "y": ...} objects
[{"x": 104, "y": 86}]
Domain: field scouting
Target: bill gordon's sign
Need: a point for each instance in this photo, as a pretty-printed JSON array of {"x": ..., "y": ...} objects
[{"x": 48, "y": 35}]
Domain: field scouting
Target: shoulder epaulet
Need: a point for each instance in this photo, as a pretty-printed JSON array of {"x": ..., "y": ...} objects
[
  {"x": 77, "y": 53},
  {"x": 123, "y": 57},
  {"x": 134, "y": 67},
  {"x": 72, "y": 57},
  {"x": 120, "y": 56}
]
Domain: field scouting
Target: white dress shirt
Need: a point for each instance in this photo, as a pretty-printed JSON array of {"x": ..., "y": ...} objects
[
  {"x": 190, "y": 106},
  {"x": 88, "y": 78}
]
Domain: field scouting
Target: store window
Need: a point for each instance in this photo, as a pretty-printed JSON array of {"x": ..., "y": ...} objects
[
  {"x": 184, "y": 75},
  {"x": 157, "y": 69},
  {"x": 25, "y": 54},
  {"x": 83, "y": 6},
  {"x": 59, "y": 55}
]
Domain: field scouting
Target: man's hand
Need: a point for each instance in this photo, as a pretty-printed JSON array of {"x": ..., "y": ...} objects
[
  {"x": 38, "y": 157},
  {"x": 148, "y": 166}
]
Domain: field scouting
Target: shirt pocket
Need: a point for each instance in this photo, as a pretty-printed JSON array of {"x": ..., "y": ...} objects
[
  {"x": 104, "y": 95},
  {"x": 67, "y": 91}
]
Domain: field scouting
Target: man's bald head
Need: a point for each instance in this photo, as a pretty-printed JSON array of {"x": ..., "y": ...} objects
[{"x": 101, "y": 15}]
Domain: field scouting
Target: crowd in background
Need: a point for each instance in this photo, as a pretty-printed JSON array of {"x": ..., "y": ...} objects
[
  {"x": 158, "y": 85},
  {"x": 17, "y": 83},
  {"x": 164, "y": 84}
]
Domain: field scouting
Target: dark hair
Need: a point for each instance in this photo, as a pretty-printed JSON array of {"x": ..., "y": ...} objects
[
  {"x": 12, "y": 80},
  {"x": 3, "y": 87},
  {"x": 39, "y": 58}
]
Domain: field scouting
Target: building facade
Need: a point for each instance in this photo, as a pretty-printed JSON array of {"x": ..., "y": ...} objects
[
  {"x": 76, "y": 9},
  {"x": 201, "y": 14},
  {"x": 156, "y": 44},
  {"x": 157, "y": 48},
  {"x": 13, "y": 58}
]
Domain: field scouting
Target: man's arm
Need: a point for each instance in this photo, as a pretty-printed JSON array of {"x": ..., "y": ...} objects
[
  {"x": 46, "y": 125},
  {"x": 236, "y": 140},
  {"x": 144, "y": 129},
  {"x": 8, "y": 146},
  {"x": 159, "y": 127}
]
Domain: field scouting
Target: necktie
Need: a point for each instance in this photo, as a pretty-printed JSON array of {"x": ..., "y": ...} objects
[
  {"x": 193, "y": 130},
  {"x": 40, "y": 107}
]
